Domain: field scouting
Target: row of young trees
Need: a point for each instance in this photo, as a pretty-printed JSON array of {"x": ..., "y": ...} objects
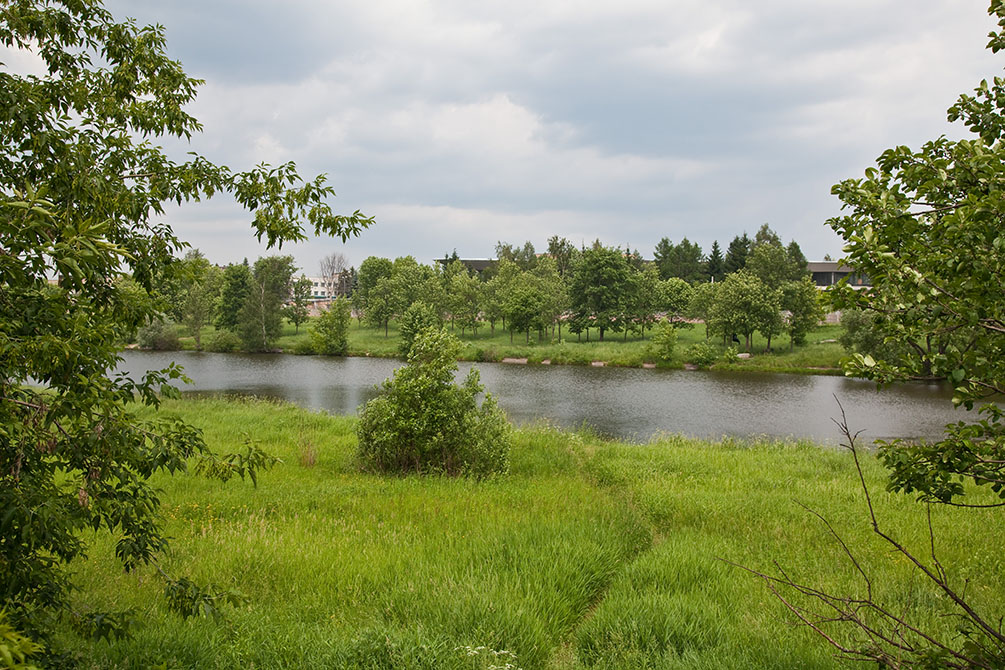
[
  {"x": 246, "y": 302},
  {"x": 599, "y": 289},
  {"x": 684, "y": 260}
]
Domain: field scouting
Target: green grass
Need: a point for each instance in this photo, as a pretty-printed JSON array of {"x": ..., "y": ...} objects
[
  {"x": 590, "y": 554},
  {"x": 819, "y": 355}
]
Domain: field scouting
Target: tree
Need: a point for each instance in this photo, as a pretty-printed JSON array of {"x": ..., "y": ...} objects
[
  {"x": 381, "y": 304},
  {"x": 743, "y": 305},
  {"x": 599, "y": 287},
  {"x": 926, "y": 226},
  {"x": 296, "y": 311},
  {"x": 371, "y": 270},
  {"x": 525, "y": 257},
  {"x": 200, "y": 301},
  {"x": 700, "y": 306},
  {"x": 563, "y": 252},
  {"x": 422, "y": 422},
  {"x": 335, "y": 275},
  {"x": 797, "y": 261},
  {"x": 330, "y": 331},
  {"x": 715, "y": 264},
  {"x": 800, "y": 301},
  {"x": 497, "y": 290},
  {"x": 736, "y": 254},
  {"x": 465, "y": 297},
  {"x": 687, "y": 262},
  {"x": 417, "y": 318},
  {"x": 555, "y": 299},
  {"x": 82, "y": 187},
  {"x": 236, "y": 285},
  {"x": 260, "y": 322},
  {"x": 407, "y": 278},
  {"x": 647, "y": 298},
  {"x": 663, "y": 256},
  {"x": 523, "y": 304},
  {"x": 765, "y": 235},
  {"x": 196, "y": 288},
  {"x": 674, "y": 299},
  {"x": 769, "y": 263}
]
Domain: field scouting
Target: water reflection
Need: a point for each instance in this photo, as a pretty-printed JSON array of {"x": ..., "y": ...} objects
[{"x": 630, "y": 404}]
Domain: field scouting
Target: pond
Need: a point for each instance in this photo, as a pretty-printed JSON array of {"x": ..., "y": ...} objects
[{"x": 625, "y": 403}]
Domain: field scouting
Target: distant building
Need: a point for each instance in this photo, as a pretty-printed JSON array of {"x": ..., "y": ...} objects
[
  {"x": 828, "y": 273},
  {"x": 325, "y": 289}
]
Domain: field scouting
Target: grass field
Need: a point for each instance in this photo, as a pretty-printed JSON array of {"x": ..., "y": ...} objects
[
  {"x": 820, "y": 355},
  {"x": 589, "y": 554}
]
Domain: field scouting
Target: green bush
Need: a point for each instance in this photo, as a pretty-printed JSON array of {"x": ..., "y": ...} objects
[
  {"x": 16, "y": 649},
  {"x": 159, "y": 336},
  {"x": 224, "y": 342},
  {"x": 730, "y": 355},
  {"x": 330, "y": 332},
  {"x": 702, "y": 354},
  {"x": 302, "y": 348},
  {"x": 664, "y": 342},
  {"x": 423, "y": 422}
]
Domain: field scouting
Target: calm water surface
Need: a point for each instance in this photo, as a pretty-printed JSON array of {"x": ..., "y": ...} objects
[{"x": 626, "y": 403}]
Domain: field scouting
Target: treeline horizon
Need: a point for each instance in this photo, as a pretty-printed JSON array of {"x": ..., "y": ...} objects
[{"x": 758, "y": 285}]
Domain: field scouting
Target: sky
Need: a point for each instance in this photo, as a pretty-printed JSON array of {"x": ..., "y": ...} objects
[{"x": 458, "y": 124}]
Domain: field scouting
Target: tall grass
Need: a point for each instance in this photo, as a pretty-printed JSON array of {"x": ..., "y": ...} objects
[{"x": 590, "y": 554}]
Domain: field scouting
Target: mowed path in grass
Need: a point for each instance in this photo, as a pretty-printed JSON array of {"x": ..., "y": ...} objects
[{"x": 589, "y": 554}]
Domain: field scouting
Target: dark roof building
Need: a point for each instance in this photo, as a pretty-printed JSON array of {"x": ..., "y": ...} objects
[{"x": 828, "y": 273}]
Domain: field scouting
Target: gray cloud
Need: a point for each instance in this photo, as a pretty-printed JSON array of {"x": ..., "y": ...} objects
[{"x": 458, "y": 124}]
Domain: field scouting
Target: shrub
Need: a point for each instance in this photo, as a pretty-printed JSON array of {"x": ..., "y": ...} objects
[
  {"x": 159, "y": 336},
  {"x": 304, "y": 347},
  {"x": 702, "y": 354},
  {"x": 423, "y": 422},
  {"x": 418, "y": 316},
  {"x": 16, "y": 649},
  {"x": 224, "y": 342},
  {"x": 730, "y": 355},
  {"x": 330, "y": 332},
  {"x": 664, "y": 342}
]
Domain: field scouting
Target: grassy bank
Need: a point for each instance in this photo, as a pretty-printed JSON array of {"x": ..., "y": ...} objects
[
  {"x": 819, "y": 355},
  {"x": 590, "y": 554}
]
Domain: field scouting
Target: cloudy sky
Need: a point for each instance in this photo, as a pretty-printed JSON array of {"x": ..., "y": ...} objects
[{"x": 458, "y": 123}]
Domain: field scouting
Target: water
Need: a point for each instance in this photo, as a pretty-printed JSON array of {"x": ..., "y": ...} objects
[{"x": 630, "y": 404}]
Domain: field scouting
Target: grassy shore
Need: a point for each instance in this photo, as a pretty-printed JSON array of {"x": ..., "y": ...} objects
[
  {"x": 589, "y": 554},
  {"x": 821, "y": 354}
]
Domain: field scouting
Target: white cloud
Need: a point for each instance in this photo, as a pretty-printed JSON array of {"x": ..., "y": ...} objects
[{"x": 515, "y": 119}]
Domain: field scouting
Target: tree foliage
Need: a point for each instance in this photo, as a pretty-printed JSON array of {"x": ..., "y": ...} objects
[
  {"x": 260, "y": 321},
  {"x": 421, "y": 421},
  {"x": 330, "y": 331},
  {"x": 82, "y": 186},
  {"x": 234, "y": 290},
  {"x": 599, "y": 288},
  {"x": 926, "y": 225},
  {"x": 296, "y": 311},
  {"x": 417, "y": 318},
  {"x": 744, "y": 304}
]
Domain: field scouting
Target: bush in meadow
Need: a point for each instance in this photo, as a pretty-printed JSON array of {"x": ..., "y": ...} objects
[{"x": 423, "y": 422}]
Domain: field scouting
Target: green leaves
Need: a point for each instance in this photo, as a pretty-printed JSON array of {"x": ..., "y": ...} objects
[
  {"x": 83, "y": 184},
  {"x": 925, "y": 226},
  {"x": 423, "y": 422}
]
